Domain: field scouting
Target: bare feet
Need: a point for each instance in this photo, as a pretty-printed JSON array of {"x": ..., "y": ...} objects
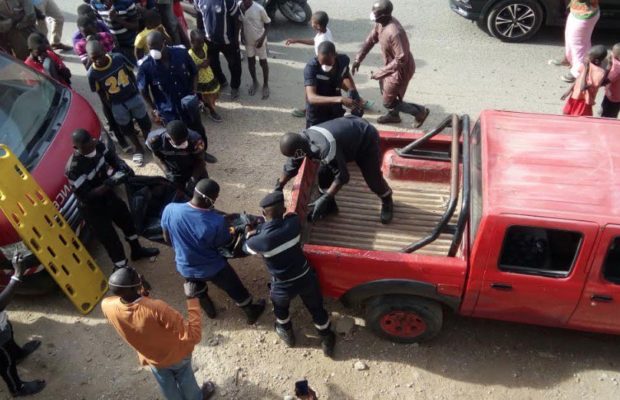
[
  {"x": 265, "y": 92},
  {"x": 253, "y": 88}
]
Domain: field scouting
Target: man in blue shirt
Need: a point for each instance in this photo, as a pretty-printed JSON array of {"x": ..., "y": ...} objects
[
  {"x": 278, "y": 241},
  {"x": 324, "y": 77},
  {"x": 168, "y": 80},
  {"x": 221, "y": 28},
  {"x": 197, "y": 232}
]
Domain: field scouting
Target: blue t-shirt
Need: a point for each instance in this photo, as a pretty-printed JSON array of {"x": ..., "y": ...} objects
[{"x": 196, "y": 234}]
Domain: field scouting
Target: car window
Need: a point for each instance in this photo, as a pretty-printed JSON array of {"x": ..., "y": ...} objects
[
  {"x": 26, "y": 100},
  {"x": 539, "y": 251},
  {"x": 611, "y": 267}
]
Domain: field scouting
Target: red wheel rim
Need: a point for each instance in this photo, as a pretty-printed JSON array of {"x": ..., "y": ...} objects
[{"x": 404, "y": 324}]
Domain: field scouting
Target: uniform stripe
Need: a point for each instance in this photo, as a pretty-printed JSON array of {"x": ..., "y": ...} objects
[
  {"x": 332, "y": 143},
  {"x": 283, "y": 247}
]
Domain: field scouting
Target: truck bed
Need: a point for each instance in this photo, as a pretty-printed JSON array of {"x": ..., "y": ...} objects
[{"x": 418, "y": 207}]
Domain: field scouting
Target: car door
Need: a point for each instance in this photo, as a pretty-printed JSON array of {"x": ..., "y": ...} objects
[
  {"x": 538, "y": 273},
  {"x": 599, "y": 307}
]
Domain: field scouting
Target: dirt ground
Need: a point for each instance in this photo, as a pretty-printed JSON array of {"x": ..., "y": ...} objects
[{"x": 83, "y": 358}]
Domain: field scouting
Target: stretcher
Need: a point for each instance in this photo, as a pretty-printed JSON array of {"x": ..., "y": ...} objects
[{"x": 46, "y": 233}]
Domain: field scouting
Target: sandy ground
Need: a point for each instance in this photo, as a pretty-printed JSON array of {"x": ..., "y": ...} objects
[{"x": 460, "y": 69}]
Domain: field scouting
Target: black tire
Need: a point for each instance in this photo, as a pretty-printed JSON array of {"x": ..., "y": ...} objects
[
  {"x": 417, "y": 319},
  {"x": 515, "y": 20},
  {"x": 299, "y": 18}
]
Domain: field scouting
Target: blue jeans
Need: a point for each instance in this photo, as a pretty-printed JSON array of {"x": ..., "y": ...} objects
[{"x": 177, "y": 382}]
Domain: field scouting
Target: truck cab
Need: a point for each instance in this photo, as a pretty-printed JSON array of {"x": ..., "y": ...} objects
[{"x": 514, "y": 219}]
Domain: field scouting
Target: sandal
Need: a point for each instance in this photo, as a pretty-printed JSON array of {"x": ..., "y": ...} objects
[
  {"x": 368, "y": 104},
  {"x": 298, "y": 113},
  {"x": 138, "y": 159}
]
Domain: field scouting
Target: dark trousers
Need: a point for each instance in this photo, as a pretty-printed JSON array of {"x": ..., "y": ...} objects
[
  {"x": 101, "y": 215},
  {"x": 170, "y": 22},
  {"x": 610, "y": 109},
  {"x": 232, "y": 53},
  {"x": 118, "y": 133},
  {"x": 306, "y": 287},
  {"x": 369, "y": 162},
  {"x": 10, "y": 352},
  {"x": 144, "y": 124},
  {"x": 227, "y": 280}
]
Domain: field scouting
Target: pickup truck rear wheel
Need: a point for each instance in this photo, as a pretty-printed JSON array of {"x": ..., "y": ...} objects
[{"x": 404, "y": 319}]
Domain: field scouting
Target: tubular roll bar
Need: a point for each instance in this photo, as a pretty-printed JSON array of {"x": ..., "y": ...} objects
[
  {"x": 410, "y": 150},
  {"x": 464, "y": 215}
]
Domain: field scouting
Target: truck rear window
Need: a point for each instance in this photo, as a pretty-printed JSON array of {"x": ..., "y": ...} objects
[
  {"x": 611, "y": 269},
  {"x": 539, "y": 251}
]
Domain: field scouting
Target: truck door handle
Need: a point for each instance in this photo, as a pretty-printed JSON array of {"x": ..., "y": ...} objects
[
  {"x": 601, "y": 298},
  {"x": 501, "y": 286}
]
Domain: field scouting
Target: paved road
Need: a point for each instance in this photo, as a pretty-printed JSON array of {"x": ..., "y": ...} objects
[{"x": 460, "y": 69}]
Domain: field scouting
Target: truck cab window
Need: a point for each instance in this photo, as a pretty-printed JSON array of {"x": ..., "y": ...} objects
[
  {"x": 611, "y": 268},
  {"x": 539, "y": 251}
]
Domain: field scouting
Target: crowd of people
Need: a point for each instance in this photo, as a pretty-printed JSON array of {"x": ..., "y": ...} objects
[{"x": 150, "y": 71}]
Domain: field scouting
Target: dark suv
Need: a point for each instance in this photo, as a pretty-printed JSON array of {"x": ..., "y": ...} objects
[{"x": 519, "y": 20}]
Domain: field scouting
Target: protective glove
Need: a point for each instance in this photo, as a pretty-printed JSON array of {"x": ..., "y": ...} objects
[
  {"x": 321, "y": 206},
  {"x": 194, "y": 289}
]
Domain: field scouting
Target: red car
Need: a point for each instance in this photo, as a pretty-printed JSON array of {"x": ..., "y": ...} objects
[
  {"x": 517, "y": 220},
  {"x": 37, "y": 117}
]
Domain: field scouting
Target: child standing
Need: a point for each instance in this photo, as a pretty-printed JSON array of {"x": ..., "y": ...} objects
[
  {"x": 591, "y": 76},
  {"x": 111, "y": 77},
  {"x": 44, "y": 60},
  {"x": 208, "y": 86},
  {"x": 152, "y": 22},
  {"x": 319, "y": 23},
  {"x": 611, "y": 102},
  {"x": 254, "y": 26}
]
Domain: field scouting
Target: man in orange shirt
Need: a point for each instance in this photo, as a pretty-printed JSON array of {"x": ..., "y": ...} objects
[{"x": 163, "y": 339}]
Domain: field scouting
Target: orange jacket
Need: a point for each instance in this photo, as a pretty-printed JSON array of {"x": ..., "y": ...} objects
[{"x": 155, "y": 330}]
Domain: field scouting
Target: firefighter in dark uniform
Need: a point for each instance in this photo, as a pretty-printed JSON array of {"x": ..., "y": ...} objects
[
  {"x": 278, "y": 241},
  {"x": 92, "y": 171},
  {"x": 179, "y": 152},
  {"x": 335, "y": 143},
  {"x": 324, "y": 77}
]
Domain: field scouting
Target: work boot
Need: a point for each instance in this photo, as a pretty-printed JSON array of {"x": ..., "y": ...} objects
[
  {"x": 286, "y": 333},
  {"x": 387, "y": 210},
  {"x": 254, "y": 311},
  {"x": 208, "y": 306},
  {"x": 29, "y": 388},
  {"x": 328, "y": 342},
  {"x": 138, "y": 252},
  {"x": 28, "y": 349},
  {"x": 389, "y": 118}
]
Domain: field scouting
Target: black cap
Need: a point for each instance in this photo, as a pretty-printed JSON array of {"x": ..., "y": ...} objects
[{"x": 271, "y": 199}]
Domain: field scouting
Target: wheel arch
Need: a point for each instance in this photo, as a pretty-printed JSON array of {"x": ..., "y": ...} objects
[{"x": 360, "y": 294}]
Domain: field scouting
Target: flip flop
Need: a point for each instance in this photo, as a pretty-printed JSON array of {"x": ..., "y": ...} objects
[
  {"x": 207, "y": 389},
  {"x": 368, "y": 104},
  {"x": 265, "y": 93},
  {"x": 419, "y": 122},
  {"x": 298, "y": 113},
  {"x": 138, "y": 159}
]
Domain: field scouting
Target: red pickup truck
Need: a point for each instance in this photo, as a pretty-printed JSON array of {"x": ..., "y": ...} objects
[{"x": 516, "y": 219}]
